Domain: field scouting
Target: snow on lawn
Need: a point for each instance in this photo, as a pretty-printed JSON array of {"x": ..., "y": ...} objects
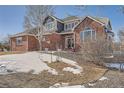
[
  {"x": 25, "y": 62},
  {"x": 103, "y": 78},
  {"x": 73, "y": 70},
  {"x": 66, "y": 85},
  {"x": 75, "y": 86},
  {"x": 76, "y": 70},
  {"x": 91, "y": 84}
]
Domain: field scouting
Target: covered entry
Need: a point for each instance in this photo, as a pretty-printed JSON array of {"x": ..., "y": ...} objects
[{"x": 69, "y": 42}]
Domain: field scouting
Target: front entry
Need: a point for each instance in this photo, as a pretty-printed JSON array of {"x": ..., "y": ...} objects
[{"x": 69, "y": 43}]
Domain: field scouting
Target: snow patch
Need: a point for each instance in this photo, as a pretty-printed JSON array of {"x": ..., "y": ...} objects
[
  {"x": 75, "y": 86},
  {"x": 57, "y": 85},
  {"x": 103, "y": 78},
  {"x": 73, "y": 70},
  {"x": 48, "y": 58},
  {"x": 66, "y": 85},
  {"x": 53, "y": 71},
  {"x": 91, "y": 84}
]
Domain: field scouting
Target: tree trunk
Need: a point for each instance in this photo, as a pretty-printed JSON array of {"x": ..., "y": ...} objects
[{"x": 40, "y": 45}]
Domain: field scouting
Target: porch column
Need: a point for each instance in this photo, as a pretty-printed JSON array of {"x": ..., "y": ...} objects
[{"x": 65, "y": 42}]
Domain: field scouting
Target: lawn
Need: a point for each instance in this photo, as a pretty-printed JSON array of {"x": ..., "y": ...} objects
[
  {"x": 89, "y": 73},
  {"x": 46, "y": 79}
]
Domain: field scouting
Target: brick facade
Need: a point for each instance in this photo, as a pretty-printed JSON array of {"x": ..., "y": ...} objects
[
  {"x": 53, "y": 41},
  {"x": 59, "y": 39},
  {"x": 29, "y": 43},
  {"x": 87, "y": 22}
]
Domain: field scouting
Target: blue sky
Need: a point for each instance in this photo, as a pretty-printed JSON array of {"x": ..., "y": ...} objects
[{"x": 11, "y": 17}]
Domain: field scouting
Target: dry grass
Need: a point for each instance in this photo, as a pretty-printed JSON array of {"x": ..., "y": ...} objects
[
  {"x": 59, "y": 65},
  {"x": 11, "y": 52},
  {"x": 46, "y": 79},
  {"x": 89, "y": 74}
]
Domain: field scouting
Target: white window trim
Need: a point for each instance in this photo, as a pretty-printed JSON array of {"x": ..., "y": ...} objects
[
  {"x": 66, "y": 29},
  {"x": 82, "y": 32}
]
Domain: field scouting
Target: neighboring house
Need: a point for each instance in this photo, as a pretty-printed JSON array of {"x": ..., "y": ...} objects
[{"x": 67, "y": 33}]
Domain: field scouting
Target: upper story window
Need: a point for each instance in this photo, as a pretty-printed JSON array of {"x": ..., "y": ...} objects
[
  {"x": 87, "y": 34},
  {"x": 69, "y": 26},
  {"x": 19, "y": 41},
  {"x": 76, "y": 23},
  {"x": 50, "y": 25}
]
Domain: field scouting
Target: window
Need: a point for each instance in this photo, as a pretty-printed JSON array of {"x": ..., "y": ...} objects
[
  {"x": 72, "y": 25},
  {"x": 50, "y": 26},
  {"x": 76, "y": 23},
  {"x": 69, "y": 26},
  {"x": 87, "y": 34},
  {"x": 19, "y": 41},
  {"x": 66, "y": 26}
]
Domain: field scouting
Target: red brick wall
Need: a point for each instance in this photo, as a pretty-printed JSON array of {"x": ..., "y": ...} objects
[
  {"x": 33, "y": 43},
  {"x": 87, "y": 23},
  {"x": 15, "y": 47},
  {"x": 53, "y": 41},
  {"x": 30, "y": 43}
]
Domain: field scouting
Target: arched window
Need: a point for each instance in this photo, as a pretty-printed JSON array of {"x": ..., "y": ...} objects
[{"x": 87, "y": 34}]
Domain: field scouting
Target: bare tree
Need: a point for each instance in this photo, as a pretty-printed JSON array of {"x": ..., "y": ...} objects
[
  {"x": 27, "y": 24},
  {"x": 5, "y": 43},
  {"x": 121, "y": 39},
  {"x": 121, "y": 34},
  {"x": 34, "y": 18},
  {"x": 95, "y": 50}
]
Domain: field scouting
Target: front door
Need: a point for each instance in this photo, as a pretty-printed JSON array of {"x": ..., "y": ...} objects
[{"x": 69, "y": 43}]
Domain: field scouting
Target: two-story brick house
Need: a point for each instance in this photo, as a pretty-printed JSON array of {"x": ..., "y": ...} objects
[{"x": 67, "y": 33}]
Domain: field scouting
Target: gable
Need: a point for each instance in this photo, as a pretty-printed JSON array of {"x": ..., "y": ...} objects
[
  {"x": 48, "y": 19},
  {"x": 88, "y": 22}
]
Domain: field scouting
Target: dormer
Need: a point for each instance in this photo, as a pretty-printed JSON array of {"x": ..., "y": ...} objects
[
  {"x": 53, "y": 24},
  {"x": 70, "y": 22}
]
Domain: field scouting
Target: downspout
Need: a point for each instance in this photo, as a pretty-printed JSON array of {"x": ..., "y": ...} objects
[
  {"x": 74, "y": 40},
  {"x": 27, "y": 43},
  {"x": 10, "y": 44}
]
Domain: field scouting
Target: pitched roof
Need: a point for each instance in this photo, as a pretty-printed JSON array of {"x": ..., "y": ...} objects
[
  {"x": 104, "y": 20},
  {"x": 31, "y": 32},
  {"x": 70, "y": 18},
  {"x": 56, "y": 18},
  {"x": 19, "y": 34}
]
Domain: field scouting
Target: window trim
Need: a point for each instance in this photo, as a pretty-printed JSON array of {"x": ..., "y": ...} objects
[
  {"x": 19, "y": 41},
  {"x": 51, "y": 26},
  {"x": 67, "y": 27},
  {"x": 87, "y": 30}
]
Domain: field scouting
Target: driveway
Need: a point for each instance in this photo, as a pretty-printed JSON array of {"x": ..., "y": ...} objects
[{"x": 24, "y": 62}]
